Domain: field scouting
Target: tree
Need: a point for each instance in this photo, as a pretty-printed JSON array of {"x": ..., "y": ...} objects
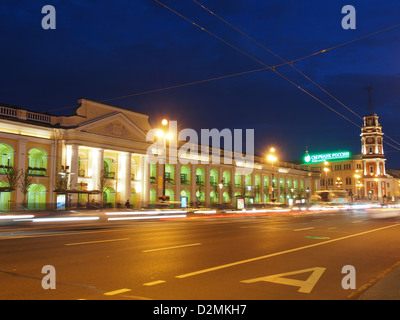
[
  {"x": 103, "y": 183},
  {"x": 62, "y": 180},
  {"x": 12, "y": 176},
  {"x": 25, "y": 181}
]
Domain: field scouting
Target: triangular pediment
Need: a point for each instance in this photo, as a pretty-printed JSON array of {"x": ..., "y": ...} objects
[{"x": 115, "y": 125}]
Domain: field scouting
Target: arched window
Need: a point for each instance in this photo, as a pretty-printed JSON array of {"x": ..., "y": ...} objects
[
  {"x": 247, "y": 180},
  {"x": 109, "y": 168},
  {"x": 226, "y": 198},
  {"x": 169, "y": 174},
  {"x": 37, "y": 165},
  {"x": 153, "y": 196},
  {"x": 238, "y": 180},
  {"x": 36, "y": 196},
  {"x": 257, "y": 181},
  {"x": 282, "y": 184},
  {"x": 170, "y": 193},
  {"x": 213, "y": 177},
  {"x": 109, "y": 197},
  {"x": 6, "y": 157},
  {"x": 226, "y": 177},
  {"x": 213, "y": 197},
  {"x": 200, "y": 176},
  {"x": 266, "y": 183},
  {"x": 185, "y": 175},
  {"x": 5, "y": 197},
  {"x": 289, "y": 183},
  {"x": 200, "y": 196}
]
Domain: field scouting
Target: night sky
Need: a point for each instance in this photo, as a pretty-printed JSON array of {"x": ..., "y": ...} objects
[{"x": 101, "y": 50}]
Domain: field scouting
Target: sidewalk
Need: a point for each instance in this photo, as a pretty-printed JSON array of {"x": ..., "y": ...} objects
[{"x": 385, "y": 287}]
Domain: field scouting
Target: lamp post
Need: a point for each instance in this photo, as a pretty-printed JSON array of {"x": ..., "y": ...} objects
[
  {"x": 326, "y": 169},
  {"x": 272, "y": 158},
  {"x": 357, "y": 176},
  {"x": 166, "y": 136}
]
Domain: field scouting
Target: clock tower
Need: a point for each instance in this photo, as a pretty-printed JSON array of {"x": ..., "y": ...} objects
[{"x": 373, "y": 157}]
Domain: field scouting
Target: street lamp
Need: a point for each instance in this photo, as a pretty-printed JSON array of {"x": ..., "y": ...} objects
[
  {"x": 359, "y": 184},
  {"x": 326, "y": 169},
  {"x": 166, "y": 136},
  {"x": 272, "y": 158}
]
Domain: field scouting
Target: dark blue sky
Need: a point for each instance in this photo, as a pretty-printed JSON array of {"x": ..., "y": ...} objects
[{"x": 106, "y": 49}]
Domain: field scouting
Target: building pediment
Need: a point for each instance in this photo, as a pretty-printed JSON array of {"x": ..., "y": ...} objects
[{"x": 115, "y": 125}]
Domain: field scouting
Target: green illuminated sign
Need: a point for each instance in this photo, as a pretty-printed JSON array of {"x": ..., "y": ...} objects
[{"x": 326, "y": 157}]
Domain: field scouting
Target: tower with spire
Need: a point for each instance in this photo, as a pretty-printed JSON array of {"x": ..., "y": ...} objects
[{"x": 373, "y": 155}]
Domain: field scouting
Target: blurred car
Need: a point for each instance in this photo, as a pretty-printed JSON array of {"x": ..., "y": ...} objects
[{"x": 384, "y": 212}]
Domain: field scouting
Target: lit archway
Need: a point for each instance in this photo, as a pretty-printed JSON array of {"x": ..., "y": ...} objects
[
  {"x": 153, "y": 196},
  {"x": 37, "y": 163},
  {"x": 36, "y": 196},
  {"x": 109, "y": 196},
  {"x": 185, "y": 175},
  {"x": 6, "y": 157},
  {"x": 5, "y": 197}
]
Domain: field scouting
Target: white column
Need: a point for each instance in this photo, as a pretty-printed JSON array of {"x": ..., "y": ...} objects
[
  {"x": 144, "y": 173},
  {"x": 95, "y": 170},
  {"x": 72, "y": 157},
  {"x": 124, "y": 177}
]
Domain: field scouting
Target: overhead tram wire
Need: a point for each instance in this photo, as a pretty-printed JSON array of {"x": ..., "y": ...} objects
[
  {"x": 279, "y": 57},
  {"x": 291, "y": 62},
  {"x": 257, "y": 60},
  {"x": 233, "y": 74}
]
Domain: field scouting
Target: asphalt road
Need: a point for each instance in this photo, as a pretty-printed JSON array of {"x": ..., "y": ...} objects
[{"x": 237, "y": 258}]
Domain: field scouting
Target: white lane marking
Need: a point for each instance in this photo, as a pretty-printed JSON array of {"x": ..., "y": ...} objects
[
  {"x": 190, "y": 274},
  {"x": 174, "y": 247},
  {"x": 304, "y": 286},
  {"x": 99, "y": 241}
]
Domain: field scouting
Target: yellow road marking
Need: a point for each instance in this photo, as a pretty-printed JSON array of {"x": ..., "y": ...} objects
[
  {"x": 175, "y": 247},
  {"x": 113, "y": 293},
  {"x": 149, "y": 284},
  {"x": 303, "y": 229},
  {"x": 91, "y": 242}
]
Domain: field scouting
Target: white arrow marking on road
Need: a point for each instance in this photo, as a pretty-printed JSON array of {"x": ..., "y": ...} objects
[{"x": 305, "y": 286}]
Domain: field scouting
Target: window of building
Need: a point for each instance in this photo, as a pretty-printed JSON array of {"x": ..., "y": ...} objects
[
  {"x": 37, "y": 163},
  {"x": 371, "y": 169}
]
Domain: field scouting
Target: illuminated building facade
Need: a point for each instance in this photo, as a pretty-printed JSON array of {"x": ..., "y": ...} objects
[
  {"x": 99, "y": 155},
  {"x": 362, "y": 175}
]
